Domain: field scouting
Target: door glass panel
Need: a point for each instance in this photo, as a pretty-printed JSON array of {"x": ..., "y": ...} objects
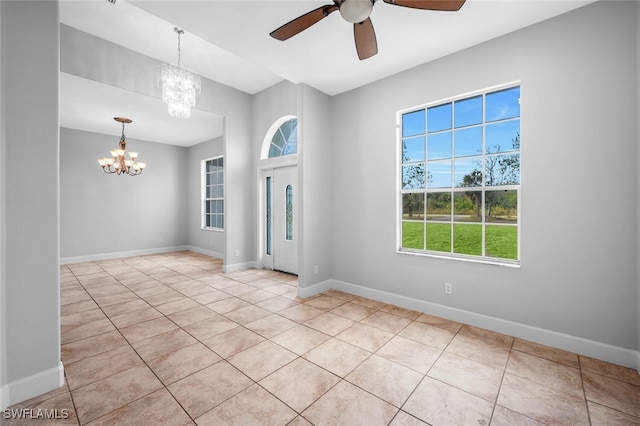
[
  {"x": 289, "y": 213},
  {"x": 268, "y": 216}
]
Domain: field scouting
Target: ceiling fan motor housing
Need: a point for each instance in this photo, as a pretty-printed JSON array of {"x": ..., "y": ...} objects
[{"x": 356, "y": 11}]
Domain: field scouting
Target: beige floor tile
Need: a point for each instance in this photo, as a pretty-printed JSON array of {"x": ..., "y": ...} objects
[
  {"x": 256, "y": 296},
  {"x": 144, "y": 330},
  {"x": 385, "y": 379},
  {"x": 329, "y": 323},
  {"x": 77, "y": 307},
  {"x": 247, "y": 314},
  {"x": 410, "y": 353},
  {"x": 193, "y": 315},
  {"x": 210, "y": 327},
  {"x": 233, "y": 341},
  {"x": 353, "y": 311},
  {"x": 121, "y": 308},
  {"x": 134, "y": 317},
  {"x": 386, "y": 322},
  {"x": 299, "y": 383},
  {"x": 261, "y": 360},
  {"x": 81, "y": 349},
  {"x": 99, "y": 398},
  {"x": 300, "y": 339},
  {"x": 401, "y": 312},
  {"x": 210, "y": 297},
  {"x": 346, "y": 404},
  {"x": 485, "y": 352},
  {"x": 162, "y": 344},
  {"x": 227, "y": 305},
  {"x": 324, "y": 302},
  {"x": 440, "y": 404},
  {"x": 271, "y": 325},
  {"x": 439, "y": 322},
  {"x": 470, "y": 376},
  {"x": 405, "y": 419},
  {"x": 299, "y": 421},
  {"x": 605, "y": 416},
  {"x": 338, "y": 357},
  {"x": 490, "y": 336},
  {"x": 111, "y": 298},
  {"x": 301, "y": 313},
  {"x": 278, "y": 288},
  {"x": 369, "y": 303},
  {"x": 157, "y": 408},
  {"x": 546, "y": 352},
  {"x": 549, "y": 373},
  {"x": 162, "y": 298},
  {"x": 277, "y": 304},
  {"x": 505, "y": 417},
  {"x": 542, "y": 403},
  {"x": 177, "y": 306},
  {"x": 201, "y": 391},
  {"x": 68, "y": 322},
  {"x": 612, "y": 371},
  {"x": 183, "y": 362},
  {"x": 238, "y": 289},
  {"x": 615, "y": 394},
  {"x": 366, "y": 337},
  {"x": 83, "y": 331},
  {"x": 253, "y": 406},
  {"x": 428, "y": 335},
  {"x": 97, "y": 367}
]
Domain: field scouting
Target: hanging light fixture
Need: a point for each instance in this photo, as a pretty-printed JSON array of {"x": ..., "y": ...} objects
[
  {"x": 179, "y": 86},
  {"x": 118, "y": 163}
]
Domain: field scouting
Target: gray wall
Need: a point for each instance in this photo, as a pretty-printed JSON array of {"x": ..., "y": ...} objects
[
  {"x": 103, "y": 214},
  {"x": 29, "y": 282},
  {"x": 579, "y": 185},
  {"x": 316, "y": 171},
  {"x": 212, "y": 242},
  {"x": 638, "y": 174}
]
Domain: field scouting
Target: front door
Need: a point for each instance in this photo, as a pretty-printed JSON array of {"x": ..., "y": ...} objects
[{"x": 284, "y": 218}]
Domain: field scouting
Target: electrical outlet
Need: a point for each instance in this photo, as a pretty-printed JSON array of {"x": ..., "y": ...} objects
[
  {"x": 315, "y": 269},
  {"x": 448, "y": 288}
]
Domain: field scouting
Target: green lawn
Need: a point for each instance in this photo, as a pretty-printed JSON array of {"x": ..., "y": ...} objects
[{"x": 501, "y": 241}]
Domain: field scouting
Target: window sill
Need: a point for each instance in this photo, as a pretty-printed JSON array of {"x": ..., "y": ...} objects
[
  {"x": 463, "y": 258},
  {"x": 204, "y": 228}
]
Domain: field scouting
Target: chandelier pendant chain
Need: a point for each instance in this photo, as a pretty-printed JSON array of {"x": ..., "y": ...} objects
[{"x": 180, "y": 32}]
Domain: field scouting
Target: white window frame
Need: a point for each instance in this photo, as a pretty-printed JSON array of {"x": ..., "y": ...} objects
[
  {"x": 203, "y": 194},
  {"x": 400, "y": 191}
]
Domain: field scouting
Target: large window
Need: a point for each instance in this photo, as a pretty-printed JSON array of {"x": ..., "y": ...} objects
[
  {"x": 285, "y": 139},
  {"x": 460, "y": 177},
  {"x": 213, "y": 193}
]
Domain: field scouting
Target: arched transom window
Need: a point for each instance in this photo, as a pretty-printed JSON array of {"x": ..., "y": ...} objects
[{"x": 282, "y": 138}]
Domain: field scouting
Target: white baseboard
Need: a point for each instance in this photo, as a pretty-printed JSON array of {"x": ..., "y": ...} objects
[
  {"x": 235, "y": 267},
  {"x": 211, "y": 253},
  {"x": 120, "y": 254},
  {"x": 31, "y": 386},
  {"x": 613, "y": 354},
  {"x": 314, "y": 289}
]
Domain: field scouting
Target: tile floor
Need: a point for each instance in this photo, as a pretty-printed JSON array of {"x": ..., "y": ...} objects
[{"x": 171, "y": 340}]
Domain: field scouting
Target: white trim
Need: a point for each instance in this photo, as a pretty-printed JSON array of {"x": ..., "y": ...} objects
[
  {"x": 609, "y": 353},
  {"x": 31, "y": 386},
  {"x": 317, "y": 288},
  {"x": 236, "y": 267},
  {"x": 120, "y": 254},
  {"x": 206, "y": 252}
]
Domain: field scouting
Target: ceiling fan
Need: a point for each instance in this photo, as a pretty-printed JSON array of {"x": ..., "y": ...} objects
[{"x": 357, "y": 12}]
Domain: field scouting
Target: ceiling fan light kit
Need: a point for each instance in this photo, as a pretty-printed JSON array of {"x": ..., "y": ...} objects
[{"x": 358, "y": 13}]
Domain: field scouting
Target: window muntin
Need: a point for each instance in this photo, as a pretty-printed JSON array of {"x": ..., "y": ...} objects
[
  {"x": 213, "y": 193},
  {"x": 285, "y": 139},
  {"x": 460, "y": 177}
]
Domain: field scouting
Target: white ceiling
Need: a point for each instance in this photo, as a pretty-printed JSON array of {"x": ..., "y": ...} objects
[{"x": 228, "y": 41}]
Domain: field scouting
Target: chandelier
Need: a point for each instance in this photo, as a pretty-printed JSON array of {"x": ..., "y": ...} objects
[
  {"x": 179, "y": 86},
  {"x": 119, "y": 163}
]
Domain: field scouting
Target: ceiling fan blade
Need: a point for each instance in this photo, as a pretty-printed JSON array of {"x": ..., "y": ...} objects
[
  {"x": 449, "y": 5},
  {"x": 303, "y": 22},
  {"x": 365, "y": 36}
]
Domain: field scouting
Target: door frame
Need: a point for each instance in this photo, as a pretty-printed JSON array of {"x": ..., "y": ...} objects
[{"x": 265, "y": 170}]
